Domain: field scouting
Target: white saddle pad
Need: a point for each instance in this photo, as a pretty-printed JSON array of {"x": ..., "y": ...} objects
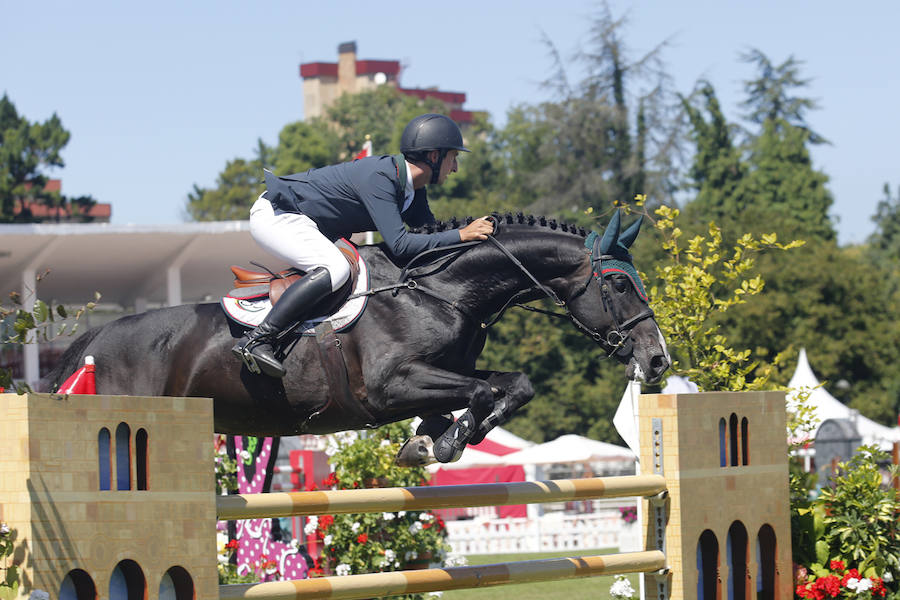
[{"x": 252, "y": 311}]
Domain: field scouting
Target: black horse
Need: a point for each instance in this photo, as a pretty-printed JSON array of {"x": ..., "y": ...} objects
[{"x": 412, "y": 352}]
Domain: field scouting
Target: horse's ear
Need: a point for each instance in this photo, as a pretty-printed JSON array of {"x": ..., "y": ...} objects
[
  {"x": 611, "y": 235},
  {"x": 628, "y": 236}
]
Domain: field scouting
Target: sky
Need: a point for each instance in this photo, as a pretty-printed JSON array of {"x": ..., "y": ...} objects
[{"x": 158, "y": 96}]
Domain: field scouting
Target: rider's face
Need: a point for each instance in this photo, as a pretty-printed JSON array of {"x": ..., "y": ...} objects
[{"x": 448, "y": 166}]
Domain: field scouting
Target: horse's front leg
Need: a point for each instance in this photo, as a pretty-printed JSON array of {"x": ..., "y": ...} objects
[
  {"x": 512, "y": 391},
  {"x": 419, "y": 386}
]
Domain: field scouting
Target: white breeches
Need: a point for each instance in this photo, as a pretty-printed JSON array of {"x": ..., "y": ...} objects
[{"x": 296, "y": 239}]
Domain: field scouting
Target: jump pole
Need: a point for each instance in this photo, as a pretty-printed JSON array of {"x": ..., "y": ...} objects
[
  {"x": 285, "y": 504},
  {"x": 371, "y": 585}
]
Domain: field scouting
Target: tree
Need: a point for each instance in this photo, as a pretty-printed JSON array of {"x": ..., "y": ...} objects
[
  {"x": 769, "y": 96},
  {"x": 885, "y": 240},
  {"x": 27, "y": 151},
  {"x": 782, "y": 189},
  {"x": 606, "y": 138},
  {"x": 236, "y": 189},
  {"x": 717, "y": 168}
]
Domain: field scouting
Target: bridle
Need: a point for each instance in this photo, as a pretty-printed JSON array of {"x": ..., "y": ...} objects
[{"x": 618, "y": 341}]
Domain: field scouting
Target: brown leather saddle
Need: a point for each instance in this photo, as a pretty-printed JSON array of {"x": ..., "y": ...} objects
[{"x": 255, "y": 284}]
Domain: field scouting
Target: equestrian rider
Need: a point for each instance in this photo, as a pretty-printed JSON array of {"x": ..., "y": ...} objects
[{"x": 299, "y": 217}]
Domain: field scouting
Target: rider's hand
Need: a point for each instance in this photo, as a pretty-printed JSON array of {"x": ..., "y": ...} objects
[{"x": 479, "y": 229}]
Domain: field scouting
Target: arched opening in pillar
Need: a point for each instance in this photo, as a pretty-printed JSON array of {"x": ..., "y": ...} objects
[
  {"x": 123, "y": 457},
  {"x": 737, "y": 550},
  {"x": 767, "y": 573},
  {"x": 733, "y": 439},
  {"x": 745, "y": 441},
  {"x": 104, "y": 459},
  {"x": 127, "y": 582},
  {"x": 177, "y": 584},
  {"x": 140, "y": 455},
  {"x": 77, "y": 585},
  {"x": 708, "y": 587},
  {"x": 723, "y": 443}
]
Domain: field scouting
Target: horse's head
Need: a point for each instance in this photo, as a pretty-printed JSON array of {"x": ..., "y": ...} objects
[{"x": 611, "y": 305}]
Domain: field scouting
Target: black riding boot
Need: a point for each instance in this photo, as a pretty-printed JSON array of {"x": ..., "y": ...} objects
[{"x": 256, "y": 348}]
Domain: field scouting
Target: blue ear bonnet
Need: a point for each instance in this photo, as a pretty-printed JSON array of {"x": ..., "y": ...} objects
[{"x": 610, "y": 252}]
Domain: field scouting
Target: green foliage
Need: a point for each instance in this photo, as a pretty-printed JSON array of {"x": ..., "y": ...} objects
[
  {"x": 700, "y": 280},
  {"x": 853, "y": 521},
  {"x": 237, "y": 187},
  {"x": 43, "y": 323},
  {"x": 9, "y": 584},
  {"x": 27, "y": 151},
  {"x": 769, "y": 96},
  {"x": 302, "y": 146},
  {"x": 354, "y": 544}
]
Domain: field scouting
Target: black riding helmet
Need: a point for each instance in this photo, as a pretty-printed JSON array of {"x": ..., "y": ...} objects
[{"x": 431, "y": 132}]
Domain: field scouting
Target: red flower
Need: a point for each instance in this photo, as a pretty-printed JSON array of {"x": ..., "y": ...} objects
[
  {"x": 851, "y": 574},
  {"x": 330, "y": 481},
  {"x": 836, "y": 565},
  {"x": 232, "y": 544},
  {"x": 325, "y": 521},
  {"x": 363, "y": 538}
]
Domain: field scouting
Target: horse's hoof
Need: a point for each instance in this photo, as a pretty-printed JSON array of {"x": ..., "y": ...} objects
[{"x": 417, "y": 451}]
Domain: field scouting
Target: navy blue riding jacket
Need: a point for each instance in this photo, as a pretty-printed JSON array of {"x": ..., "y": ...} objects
[{"x": 363, "y": 195}]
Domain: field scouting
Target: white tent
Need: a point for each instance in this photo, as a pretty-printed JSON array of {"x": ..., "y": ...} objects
[
  {"x": 569, "y": 449},
  {"x": 827, "y": 406}
]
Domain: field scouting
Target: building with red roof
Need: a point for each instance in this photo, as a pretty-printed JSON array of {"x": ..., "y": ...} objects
[{"x": 324, "y": 82}]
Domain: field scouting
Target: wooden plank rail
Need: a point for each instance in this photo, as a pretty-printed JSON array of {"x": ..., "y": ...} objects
[
  {"x": 285, "y": 504},
  {"x": 374, "y": 585}
]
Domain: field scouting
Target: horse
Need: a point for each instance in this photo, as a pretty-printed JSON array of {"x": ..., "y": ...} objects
[{"x": 413, "y": 350}]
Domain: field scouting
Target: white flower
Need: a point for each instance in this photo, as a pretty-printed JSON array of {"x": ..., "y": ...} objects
[
  {"x": 387, "y": 516},
  {"x": 887, "y": 577},
  {"x": 39, "y": 595},
  {"x": 221, "y": 540},
  {"x": 295, "y": 543},
  {"x": 859, "y": 585},
  {"x": 435, "y": 594},
  {"x": 426, "y": 517},
  {"x": 385, "y": 443},
  {"x": 401, "y": 514},
  {"x": 456, "y": 560},
  {"x": 312, "y": 523},
  {"x": 223, "y": 558},
  {"x": 415, "y": 528},
  {"x": 327, "y": 540},
  {"x": 245, "y": 456},
  {"x": 411, "y": 555},
  {"x": 342, "y": 569},
  {"x": 621, "y": 589},
  {"x": 4, "y": 529},
  {"x": 355, "y": 527},
  {"x": 390, "y": 556}
]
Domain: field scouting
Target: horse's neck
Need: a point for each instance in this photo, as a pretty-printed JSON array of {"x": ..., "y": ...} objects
[{"x": 485, "y": 278}]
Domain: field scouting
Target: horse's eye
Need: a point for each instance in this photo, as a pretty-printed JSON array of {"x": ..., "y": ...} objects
[{"x": 621, "y": 284}]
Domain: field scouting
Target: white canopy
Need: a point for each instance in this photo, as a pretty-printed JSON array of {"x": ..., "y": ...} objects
[
  {"x": 827, "y": 406},
  {"x": 569, "y": 449}
]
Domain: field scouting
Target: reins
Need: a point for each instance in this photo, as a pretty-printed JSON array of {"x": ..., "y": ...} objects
[{"x": 617, "y": 340}]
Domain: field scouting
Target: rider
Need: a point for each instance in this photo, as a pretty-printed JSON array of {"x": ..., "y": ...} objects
[{"x": 299, "y": 217}]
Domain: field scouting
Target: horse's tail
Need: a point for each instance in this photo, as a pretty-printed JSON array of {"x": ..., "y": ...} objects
[{"x": 71, "y": 360}]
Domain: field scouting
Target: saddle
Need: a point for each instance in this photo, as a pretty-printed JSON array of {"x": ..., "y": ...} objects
[{"x": 253, "y": 284}]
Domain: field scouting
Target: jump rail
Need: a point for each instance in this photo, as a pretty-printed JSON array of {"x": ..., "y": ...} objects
[
  {"x": 286, "y": 504},
  {"x": 455, "y": 578}
]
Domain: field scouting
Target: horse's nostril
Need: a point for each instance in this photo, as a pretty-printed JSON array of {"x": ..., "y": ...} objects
[{"x": 659, "y": 363}]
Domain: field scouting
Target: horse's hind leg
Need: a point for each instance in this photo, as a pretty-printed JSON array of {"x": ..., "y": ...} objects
[{"x": 511, "y": 391}]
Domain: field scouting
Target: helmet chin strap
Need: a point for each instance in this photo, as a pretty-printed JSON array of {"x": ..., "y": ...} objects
[{"x": 436, "y": 167}]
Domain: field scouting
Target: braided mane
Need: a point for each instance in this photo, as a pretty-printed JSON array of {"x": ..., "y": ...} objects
[{"x": 508, "y": 219}]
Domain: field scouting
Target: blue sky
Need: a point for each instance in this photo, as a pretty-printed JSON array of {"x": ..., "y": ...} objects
[{"x": 158, "y": 96}]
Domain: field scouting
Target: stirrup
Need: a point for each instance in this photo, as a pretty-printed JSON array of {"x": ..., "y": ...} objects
[{"x": 250, "y": 360}]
